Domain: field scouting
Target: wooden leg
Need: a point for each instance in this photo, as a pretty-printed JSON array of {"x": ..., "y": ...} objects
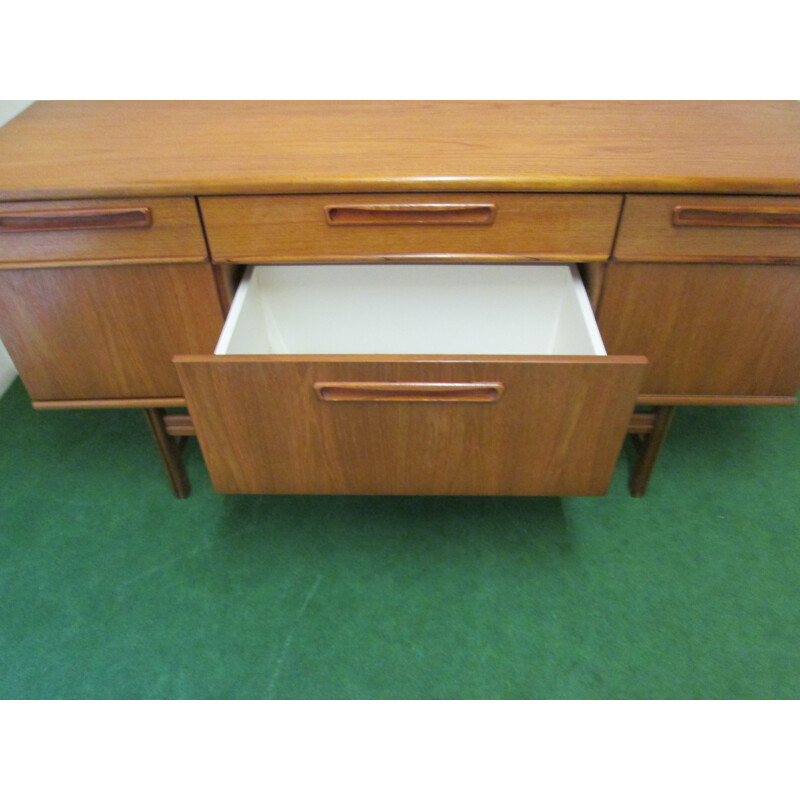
[
  {"x": 649, "y": 435},
  {"x": 170, "y": 449}
]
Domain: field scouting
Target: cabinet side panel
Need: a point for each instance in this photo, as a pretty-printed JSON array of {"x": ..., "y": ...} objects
[
  {"x": 707, "y": 329},
  {"x": 106, "y": 332}
]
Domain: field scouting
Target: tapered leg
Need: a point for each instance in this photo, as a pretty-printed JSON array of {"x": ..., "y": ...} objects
[
  {"x": 648, "y": 439},
  {"x": 170, "y": 449}
]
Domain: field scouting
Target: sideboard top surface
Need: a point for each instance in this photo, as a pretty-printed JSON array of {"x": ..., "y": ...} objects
[{"x": 69, "y": 149}]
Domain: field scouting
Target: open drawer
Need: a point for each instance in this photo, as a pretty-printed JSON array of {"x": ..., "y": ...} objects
[{"x": 312, "y": 388}]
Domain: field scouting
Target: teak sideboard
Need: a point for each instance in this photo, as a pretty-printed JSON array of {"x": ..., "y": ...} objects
[{"x": 403, "y": 297}]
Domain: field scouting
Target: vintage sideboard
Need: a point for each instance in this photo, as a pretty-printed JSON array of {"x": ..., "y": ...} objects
[{"x": 403, "y": 297}]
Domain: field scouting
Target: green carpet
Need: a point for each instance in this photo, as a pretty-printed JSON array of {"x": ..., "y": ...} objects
[{"x": 110, "y": 588}]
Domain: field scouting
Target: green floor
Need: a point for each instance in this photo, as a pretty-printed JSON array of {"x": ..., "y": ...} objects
[{"x": 109, "y": 588}]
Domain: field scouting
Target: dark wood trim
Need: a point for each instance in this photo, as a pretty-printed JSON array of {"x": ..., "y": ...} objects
[
  {"x": 736, "y": 216},
  {"x": 75, "y": 219},
  {"x": 397, "y": 391},
  {"x": 411, "y": 214}
]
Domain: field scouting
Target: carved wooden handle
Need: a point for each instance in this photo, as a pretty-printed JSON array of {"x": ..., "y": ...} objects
[
  {"x": 74, "y": 219},
  {"x": 736, "y": 216},
  {"x": 412, "y": 214},
  {"x": 338, "y": 391}
]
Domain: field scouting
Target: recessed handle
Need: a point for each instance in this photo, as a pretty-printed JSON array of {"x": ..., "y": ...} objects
[
  {"x": 411, "y": 214},
  {"x": 736, "y": 216},
  {"x": 341, "y": 391},
  {"x": 74, "y": 219}
]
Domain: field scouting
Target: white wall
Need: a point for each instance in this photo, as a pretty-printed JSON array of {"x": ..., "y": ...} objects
[{"x": 8, "y": 110}]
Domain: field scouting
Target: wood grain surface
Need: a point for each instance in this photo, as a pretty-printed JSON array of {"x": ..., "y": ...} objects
[
  {"x": 557, "y": 428},
  {"x": 285, "y": 228},
  {"x": 653, "y": 228},
  {"x": 122, "y": 148},
  {"x": 106, "y": 332},
  {"x": 174, "y": 234},
  {"x": 707, "y": 329}
]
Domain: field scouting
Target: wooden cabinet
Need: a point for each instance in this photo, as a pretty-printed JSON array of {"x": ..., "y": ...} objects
[{"x": 411, "y": 342}]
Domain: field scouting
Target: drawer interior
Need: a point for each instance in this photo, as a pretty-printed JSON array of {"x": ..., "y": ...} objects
[{"x": 397, "y": 308}]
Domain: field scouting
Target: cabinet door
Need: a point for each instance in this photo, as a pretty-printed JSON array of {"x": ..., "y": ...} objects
[
  {"x": 710, "y": 330},
  {"x": 106, "y": 333}
]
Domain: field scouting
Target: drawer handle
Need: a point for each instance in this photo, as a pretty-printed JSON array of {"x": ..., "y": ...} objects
[
  {"x": 74, "y": 219},
  {"x": 736, "y": 216},
  {"x": 412, "y": 214},
  {"x": 338, "y": 391}
]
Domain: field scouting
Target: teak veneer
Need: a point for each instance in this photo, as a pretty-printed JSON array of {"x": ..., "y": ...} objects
[
  {"x": 126, "y": 228},
  {"x": 126, "y": 148}
]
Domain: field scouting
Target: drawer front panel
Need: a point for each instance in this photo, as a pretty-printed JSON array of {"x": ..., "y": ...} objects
[
  {"x": 408, "y": 425},
  {"x": 88, "y": 232},
  {"x": 709, "y": 228},
  {"x": 106, "y": 332},
  {"x": 284, "y": 228},
  {"x": 707, "y": 329}
]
